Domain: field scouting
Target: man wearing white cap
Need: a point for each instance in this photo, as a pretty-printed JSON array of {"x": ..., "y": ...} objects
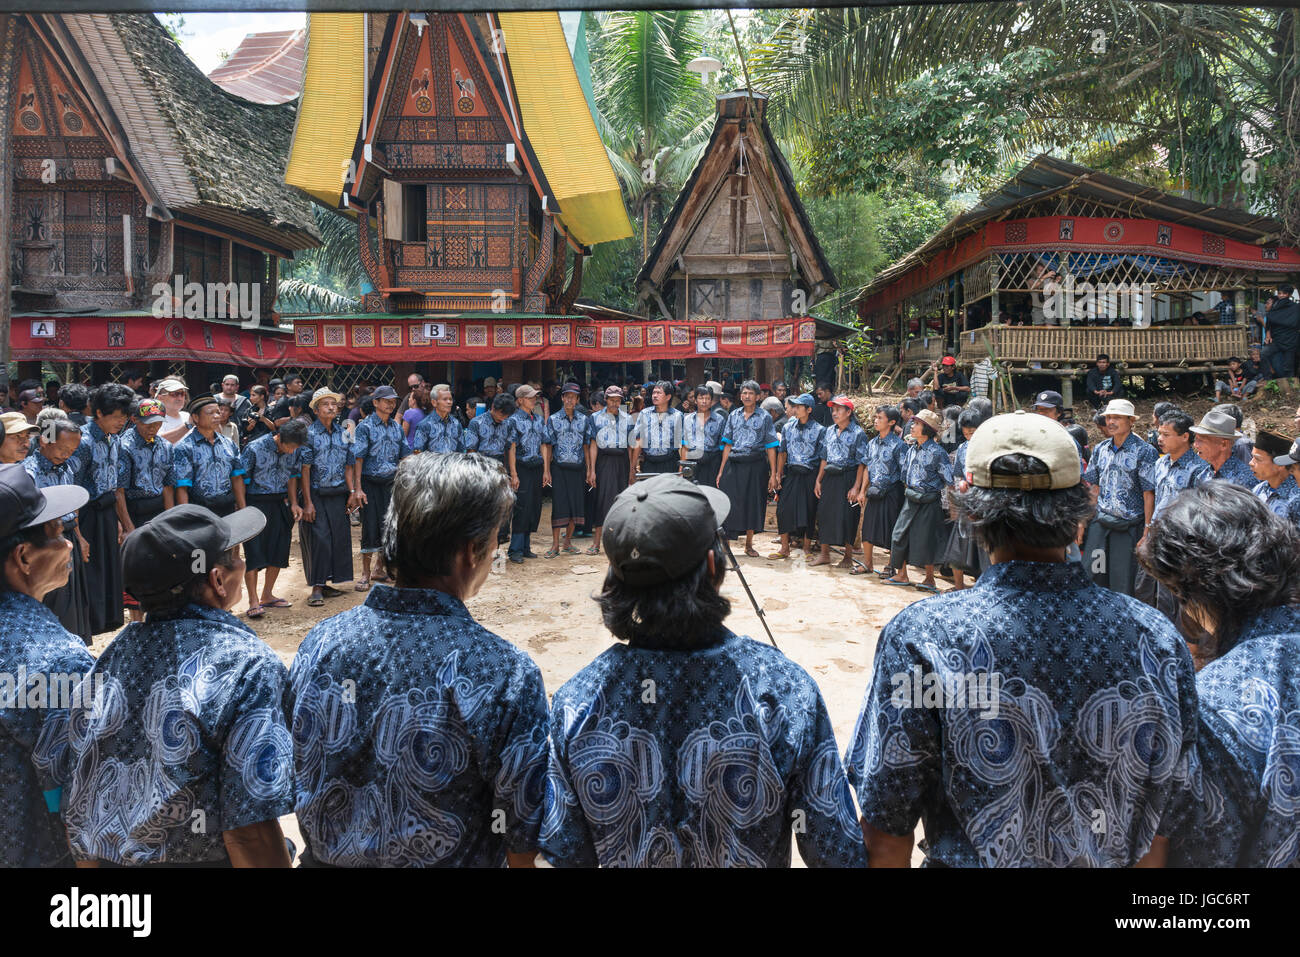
[
  {"x": 1004, "y": 715},
  {"x": 1122, "y": 475}
]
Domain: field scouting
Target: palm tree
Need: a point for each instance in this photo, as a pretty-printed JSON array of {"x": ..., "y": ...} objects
[{"x": 327, "y": 279}]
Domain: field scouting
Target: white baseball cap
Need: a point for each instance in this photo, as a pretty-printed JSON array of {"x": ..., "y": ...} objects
[{"x": 1027, "y": 434}]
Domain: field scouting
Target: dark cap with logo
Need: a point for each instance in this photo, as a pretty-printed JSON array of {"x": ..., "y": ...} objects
[
  {"x": 1049, "y": 400},
  {"x": 182, "y": 544},
  {"x": 660, "y": 528},
  {"x": 23, "y": 505}
]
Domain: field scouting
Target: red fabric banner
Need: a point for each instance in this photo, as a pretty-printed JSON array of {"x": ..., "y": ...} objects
[
  {"x": 137, "y": 337},
  {"x": 349, "y": 339}
]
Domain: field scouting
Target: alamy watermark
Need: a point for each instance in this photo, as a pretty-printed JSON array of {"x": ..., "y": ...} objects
[
  {"x": 1071, "y": 301},
  {"x": 919, "y": 688},
  {"x": 44, "y": 689},
  {"x": 213, "y": 300}
]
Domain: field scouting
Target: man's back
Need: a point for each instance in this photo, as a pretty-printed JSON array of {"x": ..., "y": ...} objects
[
  {"x": 701, "y": 758},
  {"x": 419, "y": 736},
  {"x": 1032, "y": 720}
]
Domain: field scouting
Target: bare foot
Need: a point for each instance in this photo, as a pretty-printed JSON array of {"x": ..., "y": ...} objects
[
  {"x": 844, "y": 563},
  {"x": 819, "y": 560}
]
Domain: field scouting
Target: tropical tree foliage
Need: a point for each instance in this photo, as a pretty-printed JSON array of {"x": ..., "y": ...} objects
[{"x": 327, "y": 279}]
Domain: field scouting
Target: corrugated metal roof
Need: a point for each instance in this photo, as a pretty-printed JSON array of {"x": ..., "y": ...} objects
[{"x": 265, "y": 67}]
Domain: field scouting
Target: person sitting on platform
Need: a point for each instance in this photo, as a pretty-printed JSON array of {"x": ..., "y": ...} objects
[
  {"x": 1103, "y": 383},
  {"x": 1241, "y": 380}
]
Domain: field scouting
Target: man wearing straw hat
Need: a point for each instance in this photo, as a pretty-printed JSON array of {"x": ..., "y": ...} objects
[
  {"x": 328, "y": 492},
  {"x": 1122, "y": 474}
]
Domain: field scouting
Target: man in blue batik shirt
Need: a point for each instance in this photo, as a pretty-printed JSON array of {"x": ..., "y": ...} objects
[
  {"x": 658, "y": 435},
  {"x": 272, "y": 465},
  {"x": 184, "y": 755},
  {"x": 1033, "y": 719},
  {"x": 206, "y": 463},
  {"x": 440, "y": 431},
  {"x": 40, "y": 665},
  {"x": 797, "y": 460},
  {"x": 379, "y": 446},
  {"x": 1277, "y": 487},
  {"x": 488, "y": 434},
  {"x": 1215, "y": 436},
  {"x": 1122, "y": 474},
  {"x": 564, "y": 465},
  {"x": 1244, "y": 796},
  {"x": 105, "y": 516},
  {"x": 748, "y": 468},
  {"x": 689, "y": 746},
  {"x": 525, "y": 430},
  {"x": 419, "y": 737}
]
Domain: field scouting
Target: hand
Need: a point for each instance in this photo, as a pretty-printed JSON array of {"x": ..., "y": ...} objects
[
  {"x": 852, "y": 496},
  {"x": 296, "y": 511},
  {"x": 591, "y": 479},
  {"x": 309, "y": 512},
  {"x": 631, "y": 476},
  {"x": 362, "y": 498},
  {"x": 85, "y": 549},
  {"x": 773, "y": 483},
  {"x": 817, "y": 488},
  {"x": 514, "y": 483},
  {"x": 354, "y": 501},
  {"x": 546, "y": 478}
]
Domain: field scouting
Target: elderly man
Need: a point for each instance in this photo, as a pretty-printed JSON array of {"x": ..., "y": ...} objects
[
  {"x": 272, "y": 467},
  {"x": 184, "y": 755},
  {"x": 378, "y": 448},
  {"x": 440, "y": 431},
  {"x": 979, "y": 725},
  {"x": 685, "y": 745},
  {"x": 525, "y": 432},
  {"x": 34, "y": 561},
  {"x": 329, "y": 493},
  {"x": 206, "y": 463},
  {"x": 1215, "y": 436},
  {"x": 1121, "y": 472},
  {"x": 16, "y": 441},
  {"x": 1277, "y": 487},
  {"x": 564, "y": 461},
  {"x": 1236, "y": 567},
  {"x": 420, "y": 736},
  {"x": 658, "y": 435},
  {"x": 49, "y": 465},
  {"x": 748, "y": 468}
]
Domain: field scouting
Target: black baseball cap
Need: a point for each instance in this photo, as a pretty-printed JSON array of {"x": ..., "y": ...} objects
[
  {"x": 1290, "y": 457},
  {"x": 660, "y": 528},
  {"x": 160, "y": 556},
  {"x": 384, "y": 392},
  {"x": 1048, "y": 400},
  {"x": 23, "y": 505}
]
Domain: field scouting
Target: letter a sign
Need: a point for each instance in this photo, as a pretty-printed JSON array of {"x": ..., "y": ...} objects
[{"x": 42, "y": 328}]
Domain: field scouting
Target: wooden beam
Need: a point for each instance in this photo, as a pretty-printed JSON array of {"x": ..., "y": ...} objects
[{"x": 8, "y": 65}]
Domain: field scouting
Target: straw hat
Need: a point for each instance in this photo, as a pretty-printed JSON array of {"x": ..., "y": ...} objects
[{"x": 324, "y": 392}]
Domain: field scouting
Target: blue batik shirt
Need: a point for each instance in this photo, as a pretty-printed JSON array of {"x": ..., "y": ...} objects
[
  {"x": 1034, "y": 719},
  {"x": 1247, "y": 812},
  {"x": 435, "y": 434},
  {"x": 487, "y": 436},
  {"x": 748, "y": 437},
  {"x": 206, "y": 468},
  {"x": 1237, "y": 472},
  {"x": 1171, "y": 477},
  {"x": 802, "y": 443},
  {"x": 40, "y": 666},
  {"x": 843, "y": 449},
  {"x": 610, "y": 431},
  {"x": 927, "y": 467},
  {"x": 526, "y": 430},
  {"x": 329, "y": 454},
  {"x": 47, "y": 475},
  {"x": 567, "y": 438},
  {"x": 702, "y": 758},
  {"x": 883, "y": 458},
  {"x": 95, "y": 461},
  {"x": 1283, "y": 500},
  {"x": 959, "y": 463},
  {"x": 660, "y": 433},
  {"x": 419, "y": 737},
  {"x": 187, "y": 737},
  {"x": 701, "y": 439},
  {"x": 266, "y": 470},
  {"x": 1122, "y": 475},
  {"x": 382, "y": 444},
  {"x": 144, "y": 469}
]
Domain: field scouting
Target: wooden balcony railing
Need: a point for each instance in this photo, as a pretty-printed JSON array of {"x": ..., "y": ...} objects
[{"x": 1162, "y": 347}]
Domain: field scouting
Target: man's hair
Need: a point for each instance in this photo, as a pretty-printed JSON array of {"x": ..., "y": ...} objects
[
  {"x": 56, "y": 422},
  {"x": 752, "y": 386},
  {"x": 703, "y": 390},
  {"x": 926, "y": 399},
  {"x": 970, "y": 419},
  {"x": 891, "y": 413},
  {"x": 294, "y": 432},
  {"x": 1286, "y": 289},
  {"x": 1178, "y": 420},
  {"x": 781, "y": 383},
  {"x": 683, "y": 614},
  {"x": 983, "y": 404},
  {"x": 667, "y": 387},
  {"x": 440, "y": 387},
  {"x": 1161, "y": 409},
  {"x": 926, "y": 428},
  {"x": 1232, "y": 410},
  {"x": 132, "y": 373},
  {"x": 225, "y": 400},
  {"x": 823, "y": 387},
  {"x": 190, "y": 592},
  {"x": 441, "y": 501},
  {"x": 293, "y": 377},
  {"x": 504, "y": 402},
  {"x": 30, "y": 384},
  {"x": 911, "y": 405},
  {"x": 110, "y": 398},
  {"x": 915, "y": 382},
  {"x": 75, "y": 396},
  {"x": 1101, "y": 356},
  {"x": 1099, "y": 420},
  {"x": 1039, "y": 518},
  {"x": 1219, "y": 549}
]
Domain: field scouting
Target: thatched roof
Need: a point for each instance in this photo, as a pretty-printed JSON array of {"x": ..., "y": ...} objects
[{"x": 210, "y": 155}]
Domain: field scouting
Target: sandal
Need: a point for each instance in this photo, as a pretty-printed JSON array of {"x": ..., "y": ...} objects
[
  {"x": 752, "y": 553},
  {"x": 315, "y": 601},
  {"x": 777, "y": 557},
  {"x": 385, "y": 578},
  {"x": 924, "y": 587},
  {"x": 592, "y": 550},
  {"x": 570, "y": 550},
  {"x": 277, "y": 603},
  {"x": 256, "y": 611},
  {"x": 890, "y": 581},
  {"x": 862, "y": 570},
  {"x": 363, "y": 585},
  {"x": 551, "y": 553}
]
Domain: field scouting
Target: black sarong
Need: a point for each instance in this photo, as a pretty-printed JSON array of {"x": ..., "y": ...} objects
[
  {"x": 528, "y": 499},
  {"x": 69, "y": 603},
  {"x": 963, "y": 551},
  {"x": 796, "y": 504},
  {"x": 918, "y": 535},
  {"x": 98, "y": 521},
  {"x": 144, "y": 510},
  {"x": 222, "y": 505},
  {"x": 611, "y": 478},
  {"x": 668, "y": 464},
  {"x": 745, "y": 483},
  {"x": 379, "y": 492},
  {"x": 327, "y": 542},
  {"x": 837, "y": 520},
  {"x": 706, "y": 469},
  {"x": 880, "y": 515},
  {"x": 568, "y": 498},
  {"x": 1108, "y": 555},
  {"x": 271, "y": 545}
]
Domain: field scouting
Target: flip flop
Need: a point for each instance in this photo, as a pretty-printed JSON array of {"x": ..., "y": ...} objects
[
  {"x": 752, "y": 553},
  {"x": 330, "y": 592},
  {"x": 551, "y": 553},
  {"x": 362, "y": 585},
  {"x": 592, "y": 550},
  {"x": 256, "y": 612},
  {"x": 278, "y": 603},
  {"x": 923, "y": 587},
  {"x": 315, "y": 601},
  {"x": 890, "y": 581},
  {"x": 384, "y": 578},
  {"x": 777, "y": 557},
  {"x": 570, "y": 550}
]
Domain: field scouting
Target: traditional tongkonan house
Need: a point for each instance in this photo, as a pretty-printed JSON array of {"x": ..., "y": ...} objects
[
  {"x": 1064, "y": 262},
  {"x": 145, "y": 211},
  {"x": 737, "y": 251}
]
